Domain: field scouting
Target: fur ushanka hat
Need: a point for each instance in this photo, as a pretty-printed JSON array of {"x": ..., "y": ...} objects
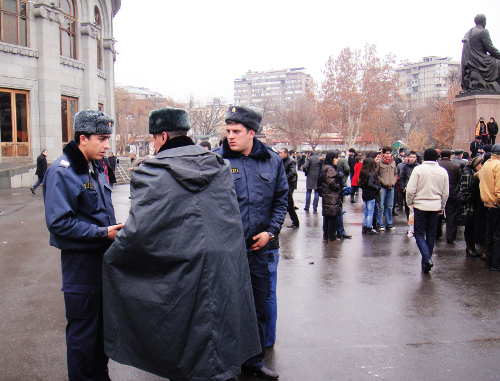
[
  {"x": 168, "y": 119},
  {"x": 247, "y": 116},
  {"x": 93, "y": 122}
]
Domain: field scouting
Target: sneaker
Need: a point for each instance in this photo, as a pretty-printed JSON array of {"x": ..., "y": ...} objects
[
  {"x": 371, "y": 231},
  {"x": 391, "y": 227},
  {"x": 409, "y": 233},
  {"x": 380, "y": 228}
]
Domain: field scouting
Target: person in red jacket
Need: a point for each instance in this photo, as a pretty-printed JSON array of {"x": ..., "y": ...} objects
[{"x": 354, "y": 182}]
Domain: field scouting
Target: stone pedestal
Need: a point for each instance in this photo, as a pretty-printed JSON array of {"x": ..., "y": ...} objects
[{"x": 468, "y": 110}]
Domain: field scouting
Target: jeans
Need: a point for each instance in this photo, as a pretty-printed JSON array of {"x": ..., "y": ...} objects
[
  {"x": 385, "y": 207},
  {"x": 340, "y": 224},
  {"x": 425, "y": 232},
  {"x": 38, "y": 183},
  {"x": 308, "y": 199},
  {"x": 368, "y": 213},
  {"x": 271, "y": 304}
]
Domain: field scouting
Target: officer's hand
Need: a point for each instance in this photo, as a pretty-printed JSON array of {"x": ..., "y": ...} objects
[
  {"x": 441, "y": 212},
  {"x": 262, "y": 240},
  {"x": 113, "y": 230}
]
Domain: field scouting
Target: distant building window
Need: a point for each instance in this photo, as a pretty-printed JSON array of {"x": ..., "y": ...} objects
[
  {"x": 69, "y": 107},
  {"x": 68, "y": 28},
  {"x": 98, "y": 23},
  {"x": 14, "y": 22}
]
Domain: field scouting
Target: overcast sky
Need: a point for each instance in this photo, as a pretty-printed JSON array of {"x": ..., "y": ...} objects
[{"x": 197, "y": 47}]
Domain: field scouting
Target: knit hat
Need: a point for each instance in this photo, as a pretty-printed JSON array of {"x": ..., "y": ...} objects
[
  {"x": 431, "y": 154},
  {"x": 93, "y": 122},
  {"x": 247, "y": 116},
  {"x": 475, "y": 162},
  {"x": 168, "y": 119}
]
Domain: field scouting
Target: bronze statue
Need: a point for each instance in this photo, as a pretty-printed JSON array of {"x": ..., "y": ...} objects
[{"x": 480, "y": 60}]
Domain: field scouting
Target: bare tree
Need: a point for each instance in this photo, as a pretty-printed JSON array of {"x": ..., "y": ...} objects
[
  {"x": 206, "y": 119},
  {"x": 300, "y": 122}
]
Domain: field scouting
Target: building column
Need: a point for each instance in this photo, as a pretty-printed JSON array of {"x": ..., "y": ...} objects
[{"x": 48, "y": 18}]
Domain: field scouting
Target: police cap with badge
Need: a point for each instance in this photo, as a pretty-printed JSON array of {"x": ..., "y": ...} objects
[{"x": 247, "y": 116}]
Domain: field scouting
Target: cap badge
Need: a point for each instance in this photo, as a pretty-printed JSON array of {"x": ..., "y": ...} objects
[{"x": 233, "y": 109}]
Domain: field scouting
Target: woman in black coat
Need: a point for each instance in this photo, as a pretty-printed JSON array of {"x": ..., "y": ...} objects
[
  {"x": 470, "y": 199},
  {"x": 332, "y": 203},
  {"x": 370, "y": 184}
]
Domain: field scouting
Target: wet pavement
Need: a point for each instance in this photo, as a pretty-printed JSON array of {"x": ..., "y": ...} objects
[{"x": 357, "y": 310}]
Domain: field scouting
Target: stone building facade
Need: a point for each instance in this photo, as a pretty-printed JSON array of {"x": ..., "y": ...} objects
[{"x": 56, "y": 58}]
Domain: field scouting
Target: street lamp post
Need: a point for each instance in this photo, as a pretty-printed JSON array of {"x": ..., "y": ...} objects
[{"x": 407, "y": 127}]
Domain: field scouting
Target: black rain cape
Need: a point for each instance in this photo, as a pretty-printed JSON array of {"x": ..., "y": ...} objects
[{"x": 177, "y": 293}]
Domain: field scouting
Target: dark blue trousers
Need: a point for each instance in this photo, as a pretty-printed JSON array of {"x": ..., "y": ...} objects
[
  {"x": 84, "y": 337},
  {"x": 259, "y": 274}
]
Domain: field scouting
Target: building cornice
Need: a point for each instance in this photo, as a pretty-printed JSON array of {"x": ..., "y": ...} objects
[
  {"x": 48, "y": 12},
  {"x": 21, "y": 50}
]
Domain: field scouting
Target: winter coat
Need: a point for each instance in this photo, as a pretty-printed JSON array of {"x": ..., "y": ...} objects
[
  {"x": 112, "y": 161},
  {"x": 261, "y": 186},
  {"x": 481, "y": 129},
  {"x": 387, "y": 173},
  {"x": 311, "y": 170},
  {"x": 371, "y": 191},
  {"x": 404, "y": 177},
  {"x": 467, "y": 208},
  {"x": 493, "y": 128},
  {"x": 41, "y": 165},
  {"x": 357, "y": 170},
  {"x": 290, "y": 171},
  {"x": 474, "y": 148},
  {"x": 78, "y": 207},
  {"x": 344, "y": 166},
  {"x": 454, "y": 173},
  {"x": 176, "y": 282},
  {"x": 480, "y": 212},
  {"x": 489, "y": 184},
  {"x": 332, "y": 203},
  {"x": 428, "y": 187},
  {"x": 352, "y": 163}
]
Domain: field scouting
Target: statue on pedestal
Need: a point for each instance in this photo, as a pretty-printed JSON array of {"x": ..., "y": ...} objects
[{"x": 480, "y": 60}]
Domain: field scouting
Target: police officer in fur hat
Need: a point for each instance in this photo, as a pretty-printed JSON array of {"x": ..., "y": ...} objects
[
  {"x": 81, "y": 221},
  {"x": 262, "y": 188}
]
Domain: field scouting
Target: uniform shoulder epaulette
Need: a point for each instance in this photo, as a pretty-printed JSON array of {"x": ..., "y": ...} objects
[
  {"x": 64, "y": 163},
  {"x": 272, "y": 149}
]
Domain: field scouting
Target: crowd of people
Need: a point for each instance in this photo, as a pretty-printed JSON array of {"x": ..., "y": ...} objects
[{"x": 436, "y": 188}]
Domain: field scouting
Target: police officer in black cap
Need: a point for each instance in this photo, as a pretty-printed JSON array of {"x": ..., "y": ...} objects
[
  {"x": 261, "y": 186},
  {"x": 81, "y": 221}
]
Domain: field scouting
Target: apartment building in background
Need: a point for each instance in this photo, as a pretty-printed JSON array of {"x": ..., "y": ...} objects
[
  {"x": 262, "y": 89},
  {"x": 425, "y": 79}
]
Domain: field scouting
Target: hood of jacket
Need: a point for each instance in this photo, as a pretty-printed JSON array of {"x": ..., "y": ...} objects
[{"x": 192, "y": 166}]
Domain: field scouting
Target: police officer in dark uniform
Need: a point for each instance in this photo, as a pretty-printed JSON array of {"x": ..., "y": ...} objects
[
  {"x": 81, "y": 220},
  {"x": 261, "y": 186}
]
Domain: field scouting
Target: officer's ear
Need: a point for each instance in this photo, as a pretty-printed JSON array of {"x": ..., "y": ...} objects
[{"x": 251, "y": 132}]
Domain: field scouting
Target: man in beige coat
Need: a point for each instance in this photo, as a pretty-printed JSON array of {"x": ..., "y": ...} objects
[
  {"x": 426, "y": 193},
  {"x": 489, "y": 186}
]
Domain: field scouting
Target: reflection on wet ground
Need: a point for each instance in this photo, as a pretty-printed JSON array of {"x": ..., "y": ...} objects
[{"x": 356, "y": 310}]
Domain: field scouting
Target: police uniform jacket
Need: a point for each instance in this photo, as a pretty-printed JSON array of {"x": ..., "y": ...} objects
[
  {"x": 78, "y": 210},
  {"x": 261, "y": 186}
]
